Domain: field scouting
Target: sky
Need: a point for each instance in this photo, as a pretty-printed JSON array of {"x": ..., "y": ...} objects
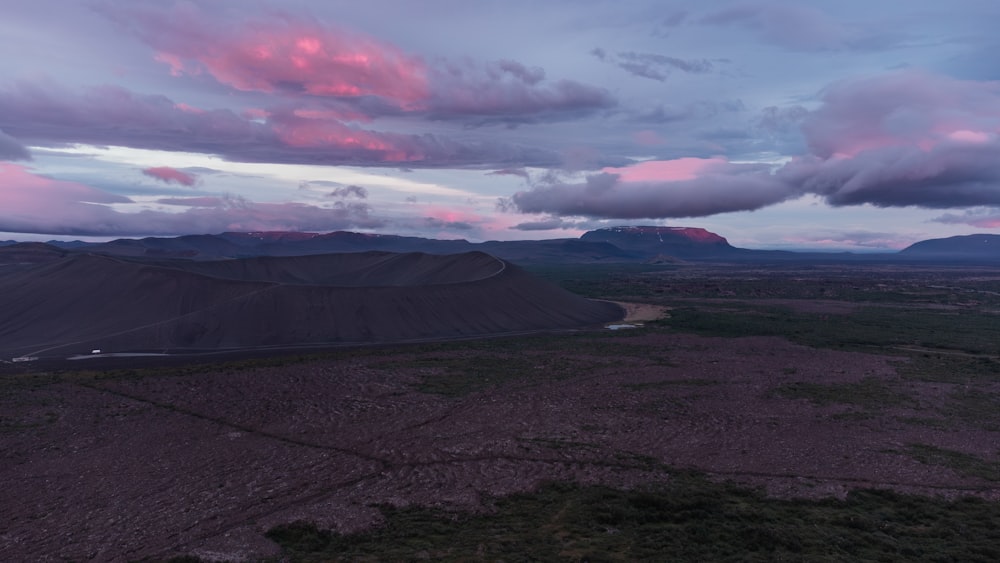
[{"x": 824, "y": 125}]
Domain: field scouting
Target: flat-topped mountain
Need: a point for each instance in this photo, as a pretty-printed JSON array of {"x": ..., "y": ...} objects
[
  {"x": 82, "y": 302},
  {"x": 646, "y": 242}
]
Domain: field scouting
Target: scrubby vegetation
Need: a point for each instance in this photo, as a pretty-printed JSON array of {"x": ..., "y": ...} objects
[
  {"x": 691, "y": 519},
  {"x": 657, "y": 399}
]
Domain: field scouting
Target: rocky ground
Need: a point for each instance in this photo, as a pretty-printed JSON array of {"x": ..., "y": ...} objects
[{"x": 204, "y": 461}]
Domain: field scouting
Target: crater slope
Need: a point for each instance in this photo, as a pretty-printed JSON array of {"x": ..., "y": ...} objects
[{"x": 84, "y": 302}]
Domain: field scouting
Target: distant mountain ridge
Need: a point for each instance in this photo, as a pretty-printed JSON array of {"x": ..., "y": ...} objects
[
  {"x": 958, "y": 247},
  {"x": 618, "y": 244}
]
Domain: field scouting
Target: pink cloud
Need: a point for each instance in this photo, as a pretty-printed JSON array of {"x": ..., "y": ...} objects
[
  {"x": 168, "y": 174},
  {"x": 299, "y": 58},
  {"x": 22, "y": 191},
  {"x": 283, "y": 54},
  {"x": 330, "y": 113},
  {"x": 904, "y": 138},
  {"x": 452, "y": 215},
  {"x": 48, "y": 114},
  {"x": 966, "y": 136},
  {"x": 31, "y": 203},
  {"x": 298, "y": 132},
  {"x": 676, "y": 170},
  {"x": 908, "y": 108},
  {"x": 189, "y": 109}
]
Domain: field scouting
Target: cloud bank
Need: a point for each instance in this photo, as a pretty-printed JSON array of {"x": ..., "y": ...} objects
[
  {"x": 36, "y": 204},
  {"x": 301, "y": 58},
  {"x": 49, "y": 115},
  {"x": 691, "y": 111},
  {"x": 903, "y": 139}
]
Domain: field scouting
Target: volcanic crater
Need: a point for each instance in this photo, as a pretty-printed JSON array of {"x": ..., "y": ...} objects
[{"x": 79, "y": 303}]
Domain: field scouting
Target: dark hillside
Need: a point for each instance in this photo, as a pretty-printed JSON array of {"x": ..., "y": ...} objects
[
  {"x": 84, "y": 302},
  {"x": 956, "y": 248}
]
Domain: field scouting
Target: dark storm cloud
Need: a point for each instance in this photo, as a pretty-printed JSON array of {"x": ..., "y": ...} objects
[
  {"x": 724, "y": 188},
  {"x": 908, "y": 138},
  {"x": 947, "y": 176}
]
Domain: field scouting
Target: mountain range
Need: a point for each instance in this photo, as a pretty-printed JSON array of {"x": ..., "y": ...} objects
[{"x": 613, "y": 244}]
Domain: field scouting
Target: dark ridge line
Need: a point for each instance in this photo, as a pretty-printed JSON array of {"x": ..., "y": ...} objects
[{"x": 229, "y": 424}]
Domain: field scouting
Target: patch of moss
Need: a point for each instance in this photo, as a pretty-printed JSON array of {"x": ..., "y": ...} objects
[
  {"x": 974, "y": 407},
  {"x": 962, "y": 463}
]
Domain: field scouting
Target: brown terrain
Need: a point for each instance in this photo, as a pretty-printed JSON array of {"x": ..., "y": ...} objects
[{"x": 204, "y": 460}]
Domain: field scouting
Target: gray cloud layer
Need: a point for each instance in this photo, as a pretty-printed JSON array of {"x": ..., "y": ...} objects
[{"x": 894, "y": 140}]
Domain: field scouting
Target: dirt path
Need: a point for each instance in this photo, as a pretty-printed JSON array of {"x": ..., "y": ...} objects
[{"x": 642, "y": 312}]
